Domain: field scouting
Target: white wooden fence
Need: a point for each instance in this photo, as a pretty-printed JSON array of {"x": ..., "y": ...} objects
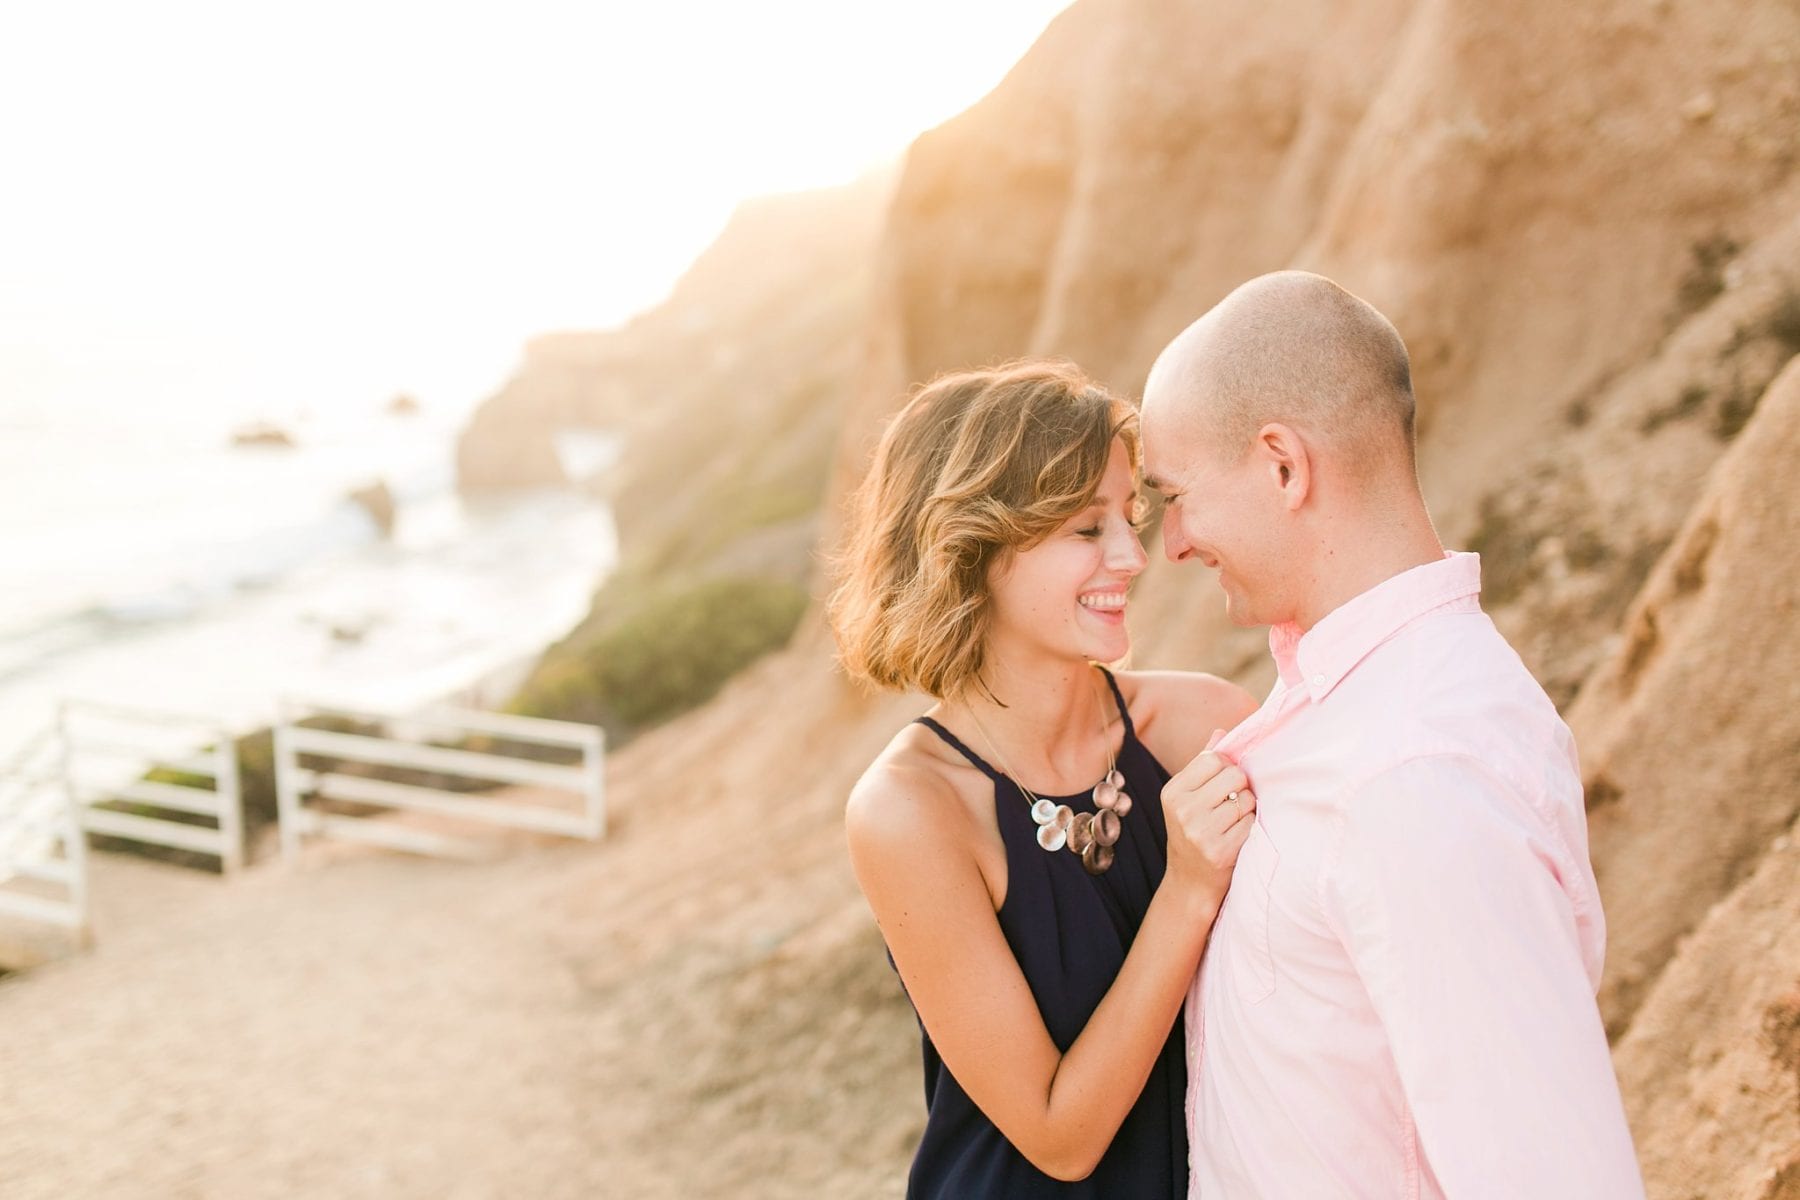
[
  {"x": 576, "y": 789},
  {"x": 59, "y": 787},
  {"x": 106, "y": 748},
  {"x": 52, "y": 792},
  {"x": 43, "y": 855}
]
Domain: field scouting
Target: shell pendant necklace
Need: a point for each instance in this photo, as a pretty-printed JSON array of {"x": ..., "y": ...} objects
[{"x": 1089, "y": 836}]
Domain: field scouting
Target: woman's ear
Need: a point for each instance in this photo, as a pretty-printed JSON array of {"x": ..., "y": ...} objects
[{"x": 1283, "y": 455}]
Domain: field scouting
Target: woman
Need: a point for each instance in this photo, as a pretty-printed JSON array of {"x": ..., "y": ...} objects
[{"x": 1012, "y": 841}]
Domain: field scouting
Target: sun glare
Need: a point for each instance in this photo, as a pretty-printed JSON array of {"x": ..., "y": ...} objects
[{"x": 268, "y": 207}]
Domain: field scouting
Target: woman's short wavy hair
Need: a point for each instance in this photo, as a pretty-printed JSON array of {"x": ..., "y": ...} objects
[{"x": 976, "y": 465}]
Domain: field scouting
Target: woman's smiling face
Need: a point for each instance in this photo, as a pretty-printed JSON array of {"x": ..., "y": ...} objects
[{"x": 1065, "y": 596}]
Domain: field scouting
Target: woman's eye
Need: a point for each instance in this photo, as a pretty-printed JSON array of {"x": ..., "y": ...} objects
[{"x": 1092, "y": 531}]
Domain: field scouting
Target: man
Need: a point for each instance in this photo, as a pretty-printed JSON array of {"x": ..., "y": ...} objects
[{"x": 1398, "y": 1000}]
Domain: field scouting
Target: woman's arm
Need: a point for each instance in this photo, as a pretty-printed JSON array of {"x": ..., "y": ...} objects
[{"x": 910, "y": 841}]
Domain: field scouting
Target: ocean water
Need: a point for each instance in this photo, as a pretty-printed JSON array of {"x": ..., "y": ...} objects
[{"x": 147, "y": 561}]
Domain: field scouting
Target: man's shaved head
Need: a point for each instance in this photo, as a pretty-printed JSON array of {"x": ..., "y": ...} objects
[
  {"x": 1296, "y": 348},
  {"x": 1278, "y": 429}
]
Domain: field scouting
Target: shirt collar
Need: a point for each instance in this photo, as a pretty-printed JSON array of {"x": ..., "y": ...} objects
[{"x": 1320, "y": 657}]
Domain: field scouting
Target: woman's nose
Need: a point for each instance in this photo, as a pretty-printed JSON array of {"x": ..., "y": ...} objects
[{"x": 1126, "y": 554}]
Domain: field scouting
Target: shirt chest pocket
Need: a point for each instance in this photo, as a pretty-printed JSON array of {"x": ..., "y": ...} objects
[{"x": 1253, "y": 962}]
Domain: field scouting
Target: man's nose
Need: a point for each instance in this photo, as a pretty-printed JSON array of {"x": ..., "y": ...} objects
[{"x": 1175, "y": 546}]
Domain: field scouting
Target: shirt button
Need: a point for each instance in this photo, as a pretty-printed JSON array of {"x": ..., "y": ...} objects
[{"x": 1318, "y": 681}]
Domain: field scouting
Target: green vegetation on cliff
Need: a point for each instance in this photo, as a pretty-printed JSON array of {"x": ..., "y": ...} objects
[{"x": 669, "y": 651}]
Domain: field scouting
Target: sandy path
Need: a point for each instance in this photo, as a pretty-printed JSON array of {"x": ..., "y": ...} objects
[
  {"x": 370, "y": 1029},
  {"x": 571, "y": 1020}
]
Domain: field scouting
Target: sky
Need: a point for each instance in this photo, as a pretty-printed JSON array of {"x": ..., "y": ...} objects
[{"x": 219, "y": 207}]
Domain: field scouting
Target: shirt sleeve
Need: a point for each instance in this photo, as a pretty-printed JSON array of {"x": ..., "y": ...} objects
[{"x": 1444, "y": 888}]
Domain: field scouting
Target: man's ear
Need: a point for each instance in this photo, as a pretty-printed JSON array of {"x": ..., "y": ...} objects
[{"x": 1282, "y": 454}]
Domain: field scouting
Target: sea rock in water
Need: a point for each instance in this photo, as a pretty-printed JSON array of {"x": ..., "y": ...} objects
[
  {"x": 378, "y": 501},
  {"x": 263, "y": 434},
  {"x": 350, "y": 632}
]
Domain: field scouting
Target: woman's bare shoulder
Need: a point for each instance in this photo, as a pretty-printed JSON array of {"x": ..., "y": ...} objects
[
  {"x": 913, "y": 834},
  {"x": 906, "y": 789},
  {"x": 1191, "y": 691},
  {"x": 1176, "y": 712}
]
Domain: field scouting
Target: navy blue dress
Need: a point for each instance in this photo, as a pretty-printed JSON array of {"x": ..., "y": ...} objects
[{"x": 1069, "y": 932}]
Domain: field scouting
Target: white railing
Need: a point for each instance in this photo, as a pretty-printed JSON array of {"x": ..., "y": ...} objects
[
  {"x": 95, "y": 755},
  {"x": 106, "y": 750},
  {"x": 43, "y": 855},
  {"x": 403, "y": 744}
]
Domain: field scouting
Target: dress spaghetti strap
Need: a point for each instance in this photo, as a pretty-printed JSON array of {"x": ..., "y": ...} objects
[
  {"x": 1124, "y": 711},
  {"x": 957, "y": 744}
]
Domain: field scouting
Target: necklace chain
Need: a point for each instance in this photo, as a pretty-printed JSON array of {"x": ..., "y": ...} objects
[
  {"x": 1089, "y": 836},
  {"x": 1031, "y": 796}
]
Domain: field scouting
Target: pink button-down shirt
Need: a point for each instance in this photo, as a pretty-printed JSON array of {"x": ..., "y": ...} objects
[{"x": 1398, "y": 998}]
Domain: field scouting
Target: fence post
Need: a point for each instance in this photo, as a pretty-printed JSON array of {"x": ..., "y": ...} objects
[
  {"x": 75, "y": 845},
  {"x": 593, "y": 761},
  {"x": 287, "y": 793},
  {"x": 231, "y": 802}
]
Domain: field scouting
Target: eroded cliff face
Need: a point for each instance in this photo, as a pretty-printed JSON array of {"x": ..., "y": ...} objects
[
  {"x": 1584, "y": 223},
  {"x": 1691, "y": 728}
]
